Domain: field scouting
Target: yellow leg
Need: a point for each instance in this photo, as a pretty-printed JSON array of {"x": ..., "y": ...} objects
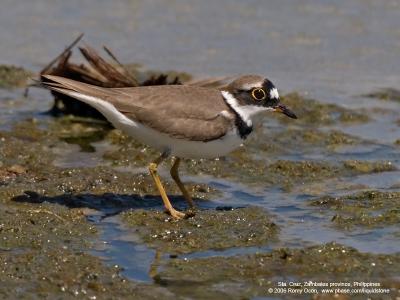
[
  {"x": 153, "y": 171},
  {"x": 175, "y": 177}
]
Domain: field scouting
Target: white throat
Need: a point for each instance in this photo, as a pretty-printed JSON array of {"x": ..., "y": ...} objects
[{"x": 246, "y": 112}]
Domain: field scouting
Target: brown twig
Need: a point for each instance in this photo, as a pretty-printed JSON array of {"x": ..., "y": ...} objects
[
  {"x": 127, "y": 73},
  {"x": 49, "y": 65},
  {"x": 114, "y": 77}
]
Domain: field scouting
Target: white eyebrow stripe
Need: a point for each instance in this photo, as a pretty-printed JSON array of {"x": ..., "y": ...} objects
[{"x": 249, "y": 86}]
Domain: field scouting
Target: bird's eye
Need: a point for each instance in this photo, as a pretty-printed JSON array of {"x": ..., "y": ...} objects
[{"x": 258, "y": 94}]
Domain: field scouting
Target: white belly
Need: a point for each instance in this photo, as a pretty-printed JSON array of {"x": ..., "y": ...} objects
[{"x": 180, "y": 147}]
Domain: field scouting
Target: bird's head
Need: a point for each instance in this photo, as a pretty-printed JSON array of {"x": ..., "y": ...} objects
[{"x": 249, "y": 95}]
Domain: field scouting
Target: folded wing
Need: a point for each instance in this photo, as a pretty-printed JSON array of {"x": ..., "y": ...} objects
[{"x": 187, "y": 112}]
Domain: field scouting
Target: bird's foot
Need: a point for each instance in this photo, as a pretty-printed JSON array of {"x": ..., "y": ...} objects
[{"x": 177, "y": 215}]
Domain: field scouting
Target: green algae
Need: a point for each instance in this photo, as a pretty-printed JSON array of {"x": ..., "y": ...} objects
[
  {"x": 368, "y": 209},
  {"x": 315, "y": 138},
  {"x": 77, "y": 131},
  {"x": 366, "y": 167},
  {"x": 208, "y": 229},
  {"x": 247, "y": 276},
  {"x": 385, "y": 94},
  {"x": 311, "y": 112},
  {"x": 12, "y": 76},
  {"x": 288, "y": 141},
  {"x": 284, "y": 173}
]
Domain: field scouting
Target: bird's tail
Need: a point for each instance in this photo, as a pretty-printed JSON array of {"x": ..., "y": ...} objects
[{"x": 99, "y": 98}]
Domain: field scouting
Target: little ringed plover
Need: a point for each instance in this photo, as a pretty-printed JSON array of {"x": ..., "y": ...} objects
[{"x": 180, "y": 120}]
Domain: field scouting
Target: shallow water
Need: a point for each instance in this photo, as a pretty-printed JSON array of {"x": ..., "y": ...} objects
[{"x": 333, "y": 52}]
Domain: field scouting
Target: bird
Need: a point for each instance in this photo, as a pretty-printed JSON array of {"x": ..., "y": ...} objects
[{"x": 183, "y": 121}]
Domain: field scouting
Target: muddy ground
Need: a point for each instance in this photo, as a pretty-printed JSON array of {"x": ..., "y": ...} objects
[{"x": 62, "y": 178}]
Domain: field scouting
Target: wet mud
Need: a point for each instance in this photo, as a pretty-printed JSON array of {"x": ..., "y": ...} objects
[
  {"x": 209, "y": 229},
  {"x": 244, "y": 277},
  {"x": 369, "y": 209}
]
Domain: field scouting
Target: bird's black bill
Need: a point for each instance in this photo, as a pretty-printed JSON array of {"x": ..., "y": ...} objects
[{"x": 286, "y": 111}]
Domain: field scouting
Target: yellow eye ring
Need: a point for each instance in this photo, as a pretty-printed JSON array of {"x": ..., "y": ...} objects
[{"x": 258, "y": 94}]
